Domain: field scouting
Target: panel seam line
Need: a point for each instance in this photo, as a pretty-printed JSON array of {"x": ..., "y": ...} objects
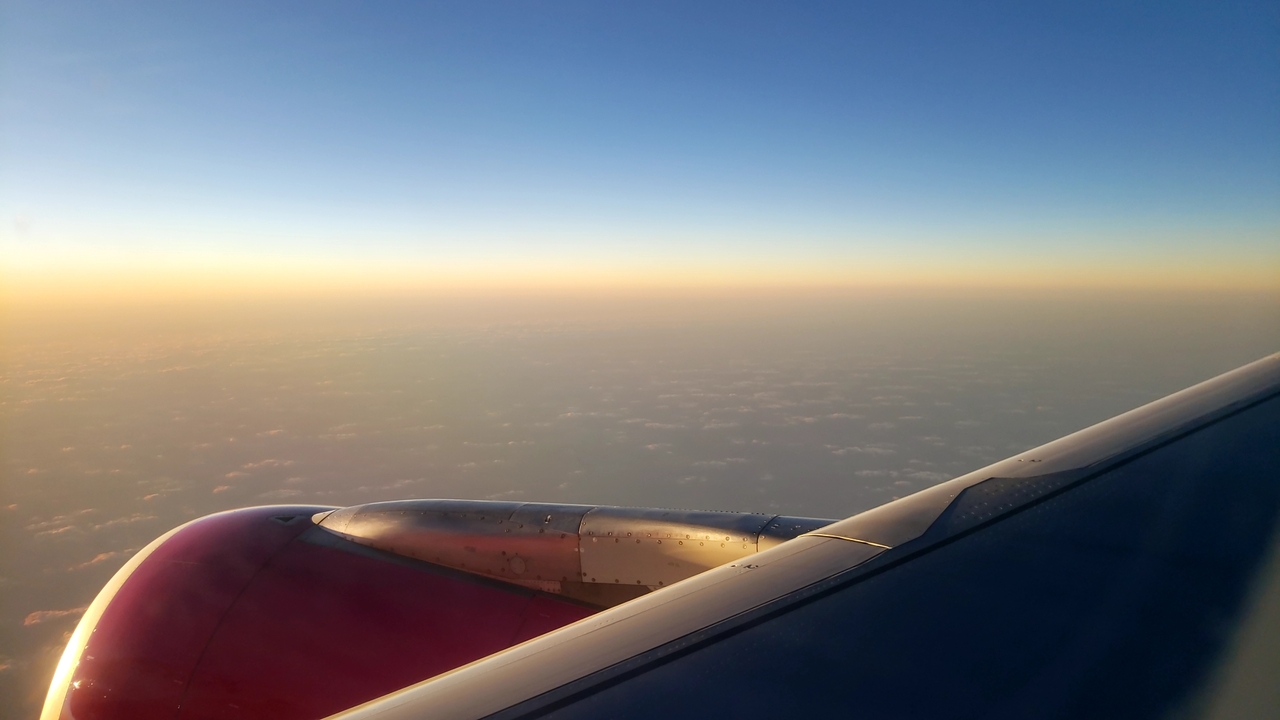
[{"x": 842, "y": 537}]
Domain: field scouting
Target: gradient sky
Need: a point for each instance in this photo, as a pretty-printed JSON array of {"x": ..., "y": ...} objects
[{"x": 1132, "y": 143}]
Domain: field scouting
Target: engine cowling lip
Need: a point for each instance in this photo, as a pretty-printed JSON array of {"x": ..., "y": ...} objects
[
  {"x": 55, "y": 702},
  {"x": 56, "y": 699}
]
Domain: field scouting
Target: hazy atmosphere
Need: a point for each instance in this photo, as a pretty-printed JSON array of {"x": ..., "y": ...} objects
[
  {"x": 116, "y": 431},
  {"x": 800, "y": 258}
]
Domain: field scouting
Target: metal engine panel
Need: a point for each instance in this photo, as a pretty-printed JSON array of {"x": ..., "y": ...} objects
[{"x": 598, "y": 554}]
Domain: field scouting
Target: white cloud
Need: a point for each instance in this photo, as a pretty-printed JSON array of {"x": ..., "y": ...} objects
[
  {"x": 282, "y": 493},
  {"x": 40, "y": 616}
]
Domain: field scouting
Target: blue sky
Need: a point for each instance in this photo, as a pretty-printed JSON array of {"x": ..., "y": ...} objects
[{"x": 649, "y": 131}]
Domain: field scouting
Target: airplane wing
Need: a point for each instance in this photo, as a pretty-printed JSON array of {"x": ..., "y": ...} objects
[{"x": 1131, "y": 570}]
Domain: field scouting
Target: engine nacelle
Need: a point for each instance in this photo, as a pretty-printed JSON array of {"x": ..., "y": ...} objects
[
  {"x": 299, "y": 612},
  {"x": 260, "y": 613}
]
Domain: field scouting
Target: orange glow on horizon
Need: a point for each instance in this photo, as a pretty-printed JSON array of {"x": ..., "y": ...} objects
[{"x": 46, "y": 285}]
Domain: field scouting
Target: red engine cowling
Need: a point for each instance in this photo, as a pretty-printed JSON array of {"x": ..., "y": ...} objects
[{"x": 259, "y": 613}]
